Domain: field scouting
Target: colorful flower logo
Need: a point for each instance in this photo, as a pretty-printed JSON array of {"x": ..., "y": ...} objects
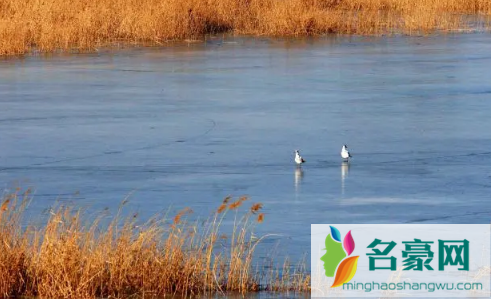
[{"x": 337, "y": 261}]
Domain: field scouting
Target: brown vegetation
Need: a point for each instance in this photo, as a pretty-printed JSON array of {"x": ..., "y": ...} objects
[
  {"x": 49, "y": 25},
  {"x": 66, "y": 259}
]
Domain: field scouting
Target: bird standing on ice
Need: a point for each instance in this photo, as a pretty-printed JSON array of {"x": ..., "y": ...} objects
[
  {"x": 345, "y": 154},
  {"x": 298, "y": 159}
]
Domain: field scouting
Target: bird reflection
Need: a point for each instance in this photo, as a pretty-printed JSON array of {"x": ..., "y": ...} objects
[
  {"x": 298, "y": 178},
  {"x": 344, "y": 174}
]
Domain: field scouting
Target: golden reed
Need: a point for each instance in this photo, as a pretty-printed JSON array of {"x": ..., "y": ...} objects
[
  {"x": 65, "y": 258},
  {"x": 51, "y": 25}
]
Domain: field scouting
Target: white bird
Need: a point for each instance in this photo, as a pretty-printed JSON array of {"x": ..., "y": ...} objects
[
  {"x": 298, "y": 159},
  {"x": 345, "y": 154}
]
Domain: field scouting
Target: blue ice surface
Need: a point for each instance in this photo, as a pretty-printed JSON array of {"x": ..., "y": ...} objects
[{"x": 186, "y": 125}]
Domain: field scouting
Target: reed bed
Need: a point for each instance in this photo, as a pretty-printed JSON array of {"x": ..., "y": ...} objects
[
  {"x": 65, "y": 258},
  {"x": 80, "y": 25}
]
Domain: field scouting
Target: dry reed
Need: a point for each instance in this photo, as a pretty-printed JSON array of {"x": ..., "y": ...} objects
[
  {"x": 51, "y": 25},
  {"x": 66, "y": 259}
]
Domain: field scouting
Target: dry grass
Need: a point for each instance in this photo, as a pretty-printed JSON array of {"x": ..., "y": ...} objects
[
  {"x": 66, "y": 259},
  {"x": 50, "y": 25}
]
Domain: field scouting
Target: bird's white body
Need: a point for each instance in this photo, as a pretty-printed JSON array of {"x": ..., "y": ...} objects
[
  {"x": 345, "y": 153},
  {"x": 298, "y": 159}
]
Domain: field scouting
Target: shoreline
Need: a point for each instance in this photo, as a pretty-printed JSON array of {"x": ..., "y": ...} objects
[{"x": 115, "y": 47}]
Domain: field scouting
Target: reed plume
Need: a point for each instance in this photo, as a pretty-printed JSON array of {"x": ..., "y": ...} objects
[{"x": 70, "y": 257}]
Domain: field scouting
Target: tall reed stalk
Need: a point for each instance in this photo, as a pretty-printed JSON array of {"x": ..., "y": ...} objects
[{"x": 67, "y": 258}]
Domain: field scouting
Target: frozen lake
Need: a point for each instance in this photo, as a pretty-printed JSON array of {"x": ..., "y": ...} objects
[{"x": 186, "y": 125}]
